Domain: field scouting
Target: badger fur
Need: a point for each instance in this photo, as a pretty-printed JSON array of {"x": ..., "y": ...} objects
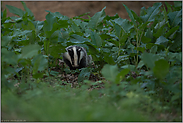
[{"x": 76, "y": 57}]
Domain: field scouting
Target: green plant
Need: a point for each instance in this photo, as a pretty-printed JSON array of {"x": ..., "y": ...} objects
[{"x": 138, "y": 64}]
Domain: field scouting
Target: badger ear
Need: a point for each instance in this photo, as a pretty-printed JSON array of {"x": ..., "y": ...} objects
[
  {"x": 67, "y": 48},
  {"x": 84, "y": 50}
]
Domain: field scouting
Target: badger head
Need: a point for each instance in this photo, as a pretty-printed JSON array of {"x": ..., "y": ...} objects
[{"x": 76, "y": 57}]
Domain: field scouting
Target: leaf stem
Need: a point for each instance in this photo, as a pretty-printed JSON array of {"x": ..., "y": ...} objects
[{"x": 136, "y": 62}]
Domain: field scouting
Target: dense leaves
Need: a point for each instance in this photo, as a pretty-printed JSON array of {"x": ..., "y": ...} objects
[{"x": 136, "y": 69}]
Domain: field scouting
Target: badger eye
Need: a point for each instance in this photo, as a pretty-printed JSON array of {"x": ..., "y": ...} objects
[{"x": 79, "y": 49}]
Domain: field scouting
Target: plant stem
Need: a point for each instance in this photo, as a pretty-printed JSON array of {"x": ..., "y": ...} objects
[
  {"x": 119, "y": 49},
  {"x": 136, "y": 62}
]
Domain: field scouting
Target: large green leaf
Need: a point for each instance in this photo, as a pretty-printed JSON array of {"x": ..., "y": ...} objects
[
  {"x": 30, "y": 26},
  {"x": 75, "y": 28},
  {"x": 63, "y": 24},
  {"x": 39, "y": 63},
  {"x": 74, "y": 38},
  {"x": 109, "y": 59},
  {"x": 130, "y": 15},
  {"x": 175, "y": 18},
  {"x": 32, "y": 37},
  {"x": 162, "y": 41},
  {"x": 48, "y": 23},
  {"x": 121, "y": 75},
  {"x": 124, "y": 24},
  {"x": 141, "y": 63},
  {"x": 106, "y": 36},
  {"x": 136, "y": 17},
  {"x": 27, "y": 9},
  {"x": 154, "y": 49},
  {"x": 55, "y": 51},
  {"x": 160, "y": 31},
  {"x": 171, "y": 31},
  {"x": 96, "y": 19},
  {"x": 149, "y": 33},
  {"x": 161, "y": 68},
  {"x": 143, "y": 11},
  {"x": 117, "y": 30},
  {"x": 15, "y": 10},
  {"x": 84, "y": 75},
  {"x": 149, "y": 59},
  {"x": 145, "y": 39},
  {"x": 177, "y": 44},
  {"x": 152, "y": 12},
  {"x": 54, "y": 37},
  {"x": 110, "y": 72},
  {"x": 5, "y": 40},
  {"x": 30, "y": 50},
  {"x": 8, "y": 57},
  {"x": 96, "y": 39},
  {"x": 92, "y": 48},
  {"x": 124, "y": 38},
  {"x": 55, "y": 27},
  {"x": 3, "y": 16}
]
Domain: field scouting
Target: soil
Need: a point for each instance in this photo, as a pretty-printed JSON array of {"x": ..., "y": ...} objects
[{"x": 76, "y": 8}]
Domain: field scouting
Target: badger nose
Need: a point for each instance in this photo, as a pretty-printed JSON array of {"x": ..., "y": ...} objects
[{"x": 75, "y": 65}]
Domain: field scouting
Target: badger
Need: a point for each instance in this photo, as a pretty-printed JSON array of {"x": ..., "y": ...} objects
[{"x": 76, "y": 57}]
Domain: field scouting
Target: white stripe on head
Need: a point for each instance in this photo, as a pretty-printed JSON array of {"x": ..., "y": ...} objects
[
  {"x": 75, "y": 57},
  {"x": 81, "y": 55}
]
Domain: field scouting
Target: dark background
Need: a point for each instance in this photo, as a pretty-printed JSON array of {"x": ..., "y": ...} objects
[{"x": 75, "y": 8}]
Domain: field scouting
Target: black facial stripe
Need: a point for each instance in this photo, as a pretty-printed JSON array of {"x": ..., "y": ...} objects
[
  {"x": 78, "y": 53},
  {"x": 71, "y": 53}
]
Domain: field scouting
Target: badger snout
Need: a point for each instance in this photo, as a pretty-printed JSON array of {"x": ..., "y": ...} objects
[{"x": 75, "y": 65}]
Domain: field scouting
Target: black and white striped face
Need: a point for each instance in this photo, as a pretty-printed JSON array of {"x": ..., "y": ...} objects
[{"x": 74, "y": 55}]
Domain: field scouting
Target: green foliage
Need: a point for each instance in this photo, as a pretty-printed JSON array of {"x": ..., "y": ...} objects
[
  {"x": 15, "y": 10},
  {"x": 110, "y": 72},
  {"x": 96, "y": 19},
  {"x": 161, "y": 68},
  {"x": 151, "y": 13},
  {"x": 68, "y": 105},
  {"x": 30, "y": 50},
  {"x": 139, "y": 64},
  {"x": 84, "y": 75}
]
